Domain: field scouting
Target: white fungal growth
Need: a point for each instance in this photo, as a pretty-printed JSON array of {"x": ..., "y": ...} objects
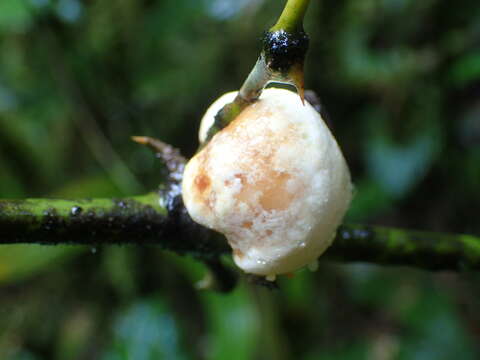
[{"x": 274, "y": 182}]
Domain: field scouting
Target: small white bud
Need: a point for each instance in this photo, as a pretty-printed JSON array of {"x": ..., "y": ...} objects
[
  {"x": 209, "y": 117},
  {"x": 274, "y": 182}
]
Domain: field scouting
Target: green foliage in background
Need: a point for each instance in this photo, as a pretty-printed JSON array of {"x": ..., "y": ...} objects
[{"x": 399, "y": 81}]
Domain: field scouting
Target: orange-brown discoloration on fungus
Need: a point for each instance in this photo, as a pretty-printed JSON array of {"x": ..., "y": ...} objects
[
  {"x": 275, "y": 195},
  {"x": 238, "y": 253},
  {"x": 256, "y": 111},
  {"x": 202, "y": 182},
  {"x": 247, "y": 225}
]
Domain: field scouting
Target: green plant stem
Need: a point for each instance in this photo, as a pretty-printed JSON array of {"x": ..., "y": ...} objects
[
  {"x": 394, "y": 246},
  {"x": 136, "y": 220},
  {"x": 283, "y": 65},
  {"x": 291, "y": 19},
  {"x": 142, "y": 220}
]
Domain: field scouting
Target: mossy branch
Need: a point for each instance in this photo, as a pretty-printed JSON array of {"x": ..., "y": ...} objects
[
  {"x": 395, "y": 246},
  {"x": 136, "y": 220},
  {"x": 160, "y": 218},
  {"x": 142, "y": 220}
]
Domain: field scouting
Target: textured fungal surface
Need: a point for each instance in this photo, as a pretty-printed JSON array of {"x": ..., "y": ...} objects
[{"x": 274, "y": 182}]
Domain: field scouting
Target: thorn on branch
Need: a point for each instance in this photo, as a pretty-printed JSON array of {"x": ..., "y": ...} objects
[{"x": 170, "y": 193}]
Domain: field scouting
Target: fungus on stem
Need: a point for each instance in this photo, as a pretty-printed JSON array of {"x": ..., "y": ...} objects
[
  {"x": 159, "y": 218},
  {"x": 141, "y": 220}
]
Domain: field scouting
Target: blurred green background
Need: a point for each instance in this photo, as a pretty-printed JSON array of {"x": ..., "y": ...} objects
[{"x": 400, "y": 81}]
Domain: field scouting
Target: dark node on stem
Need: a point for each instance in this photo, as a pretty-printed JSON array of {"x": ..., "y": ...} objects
[{"x": 284, "y": 49}]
